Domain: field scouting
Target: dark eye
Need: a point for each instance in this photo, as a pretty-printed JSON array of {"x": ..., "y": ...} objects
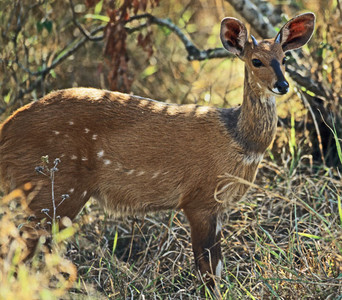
[
  {"x": 284, "y": 60},
  {"x": 257, "y": 62}
]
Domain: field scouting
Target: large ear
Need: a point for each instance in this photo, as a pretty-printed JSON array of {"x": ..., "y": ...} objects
[
  {"x": 296, "y": 32},
  {"x": 233, "y": 35}
]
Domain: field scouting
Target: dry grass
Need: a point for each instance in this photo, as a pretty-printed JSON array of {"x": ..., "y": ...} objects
[
  {"x": 283, "y": 241},
  {"x": 49, "y": 275}
]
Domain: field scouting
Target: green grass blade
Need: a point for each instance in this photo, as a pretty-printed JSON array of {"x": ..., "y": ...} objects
[
  {"x": 339, "y": 208},
  {"x": 115, "y": 242}
]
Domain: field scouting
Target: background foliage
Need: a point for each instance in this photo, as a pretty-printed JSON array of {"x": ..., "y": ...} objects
[{"x": 284, "y": 241}]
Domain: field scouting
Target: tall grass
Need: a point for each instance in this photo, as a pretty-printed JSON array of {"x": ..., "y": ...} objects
[
  {"x": 283, "y": 241},
  {"x": 48, "y": 275}
]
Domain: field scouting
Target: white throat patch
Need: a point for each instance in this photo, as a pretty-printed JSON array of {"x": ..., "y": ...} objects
[{"x": 268, "y": 99}]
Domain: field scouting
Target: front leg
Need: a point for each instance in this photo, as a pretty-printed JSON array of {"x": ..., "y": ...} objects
[{"x": 206, "y": 238}]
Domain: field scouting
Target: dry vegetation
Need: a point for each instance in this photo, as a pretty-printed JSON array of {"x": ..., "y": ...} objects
[{"x": 283, "y": 241}]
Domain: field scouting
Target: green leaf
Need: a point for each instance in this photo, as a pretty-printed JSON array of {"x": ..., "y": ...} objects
[
  {"x": 7, "y": 97},
  {"x": 339, "y": 208},
  {"x": 187, "y": 15},
  {"x": 150, "y": 70},
  {"x": 39, "y": 26},
  {"x": 97, "y": 17},
  {"x": 48, "y": 25},
  {"x": 98, "y": 7},
  {"x": 53, "y": 74}
]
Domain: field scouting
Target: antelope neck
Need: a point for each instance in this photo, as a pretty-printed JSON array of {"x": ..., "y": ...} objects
[{"x": 253, "y": 124}]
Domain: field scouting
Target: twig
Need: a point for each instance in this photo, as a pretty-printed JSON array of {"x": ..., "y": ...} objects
[
  {"x": 88, "y": 35},
  {"x": 194, "y": 53},
  {"x": 253, "y": 16},
  {"x": 339, "y": 7},
  {"x": 305, "y": 81},
  {"x": 53, "y": 170},
  {"x": 319, "y": 138},
  {"x": 61, "y": 57}
]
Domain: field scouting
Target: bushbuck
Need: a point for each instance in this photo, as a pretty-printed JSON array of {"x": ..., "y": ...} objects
[{"x": 136, "y": 155}]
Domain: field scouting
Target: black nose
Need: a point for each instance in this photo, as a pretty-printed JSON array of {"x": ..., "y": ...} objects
[{"x": 282, "y": 86}]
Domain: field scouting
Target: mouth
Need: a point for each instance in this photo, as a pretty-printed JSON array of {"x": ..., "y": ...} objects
[{"x": 275, "y": 91}]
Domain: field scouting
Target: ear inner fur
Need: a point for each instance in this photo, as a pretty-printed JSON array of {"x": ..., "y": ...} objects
[
  {"x": 296, "y": 32},
  {"x": 233, "y": 35}
]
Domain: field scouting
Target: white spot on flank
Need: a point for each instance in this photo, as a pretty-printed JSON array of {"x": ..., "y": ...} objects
[
  {"x": 56, "y": 132},
  {"x": 253, "y": 158},
  {"x": 71, "y": 122},
  {"x": 100, "y": 154},
  {"x": 84, "y": 193},
  {"x": 219, "y": 268},
  {"x": 107, "y": 161},
  {"x": 94, "y": 137},
  {"x": 86, "y": 130},
  {"x": 73, "y": 157},
  {"x": 141, "y": 173},
  {"x": 71, "y": 190},
  {"x": 130, "y": 172},
  {"x": 155, "y": 174},
  {"x": 84, "y": 159}
]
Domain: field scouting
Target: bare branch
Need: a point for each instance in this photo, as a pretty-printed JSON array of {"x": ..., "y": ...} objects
[
  {"x": 194, "y": 53},
  {"x": 339, "y": 7},
  {"x": 60, "y": 58},
  {"x": 89, "y": 36},
  {"x": 250, "y": 12},
  {"x": 273, "y": 14},
  {"x": 73, "y": 49},
  {"x": 305, "y": 81}
]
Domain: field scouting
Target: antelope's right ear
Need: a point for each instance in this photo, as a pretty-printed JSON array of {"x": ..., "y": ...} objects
[{"x": 233, "y": 35}]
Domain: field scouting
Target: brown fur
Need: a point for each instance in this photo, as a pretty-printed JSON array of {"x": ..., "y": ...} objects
[{"x": 136, "y": 155}]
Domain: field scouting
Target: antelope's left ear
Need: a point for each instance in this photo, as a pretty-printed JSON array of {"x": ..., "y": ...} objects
[{"x": 296, "y": 32}]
